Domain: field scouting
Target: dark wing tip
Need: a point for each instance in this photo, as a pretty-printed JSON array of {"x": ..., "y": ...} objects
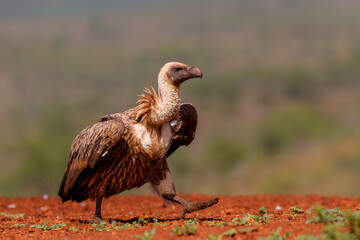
[{"x": 185, "y": 133}]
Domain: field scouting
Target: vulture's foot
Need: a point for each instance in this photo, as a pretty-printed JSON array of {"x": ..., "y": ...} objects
[
  {"x": 190, "y": 206},
  {"x": 96, "y": 219},
  {"x": 97, "y": 216}
]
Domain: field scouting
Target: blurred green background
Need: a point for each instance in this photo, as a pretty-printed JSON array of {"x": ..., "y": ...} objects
[{"x": 279, "y": 104}]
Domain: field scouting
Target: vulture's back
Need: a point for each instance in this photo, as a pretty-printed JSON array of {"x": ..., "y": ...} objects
[{"x": 95, "y": 147}]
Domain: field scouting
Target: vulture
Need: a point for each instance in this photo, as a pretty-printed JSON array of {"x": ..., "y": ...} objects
[{"x": 126, "y": 150}]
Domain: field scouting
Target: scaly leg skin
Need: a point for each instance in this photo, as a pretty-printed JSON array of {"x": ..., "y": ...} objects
[
  {"x": 166, "y": 189},
  {"x": 97, "y": 216},
  {"x": 188, "y": 205}
]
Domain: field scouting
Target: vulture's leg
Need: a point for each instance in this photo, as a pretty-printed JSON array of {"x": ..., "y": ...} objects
[
  {"x": 190, "y": 206},
  {"x": 97, "y": 216},
  {"x": 166, "y": 189}
]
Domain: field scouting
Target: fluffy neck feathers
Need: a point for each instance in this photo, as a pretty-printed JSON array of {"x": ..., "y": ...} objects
[{"x": 157, "y": 108}]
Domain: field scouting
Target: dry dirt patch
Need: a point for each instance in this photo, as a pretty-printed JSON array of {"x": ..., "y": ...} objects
[{"x": 129, "y": 216}]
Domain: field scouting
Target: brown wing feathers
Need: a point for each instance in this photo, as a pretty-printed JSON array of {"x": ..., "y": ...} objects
[
  {"x": 90, "y": 149},
  {"x": 185, "y": 127}
]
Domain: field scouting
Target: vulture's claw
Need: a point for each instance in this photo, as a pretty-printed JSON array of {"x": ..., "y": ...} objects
[{"x": 194, "y": 206}]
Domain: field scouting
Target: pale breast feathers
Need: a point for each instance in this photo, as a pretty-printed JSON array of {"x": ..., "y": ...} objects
[
  {"x": 143, "y": 135},
  {"x": 154, "y": 141}
]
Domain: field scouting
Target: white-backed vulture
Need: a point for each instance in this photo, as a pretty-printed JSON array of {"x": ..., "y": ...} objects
[{"x": 128, "y": 149}]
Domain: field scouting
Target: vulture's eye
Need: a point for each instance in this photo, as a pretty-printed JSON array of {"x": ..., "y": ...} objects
[{"x": 177, "y": 69}]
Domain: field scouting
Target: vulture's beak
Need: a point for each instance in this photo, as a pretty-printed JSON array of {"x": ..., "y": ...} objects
[{"x": 195, "y": 72}]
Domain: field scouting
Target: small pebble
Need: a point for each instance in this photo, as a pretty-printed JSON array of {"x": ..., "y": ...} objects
[
  {"x": 44, "y": 208},
  {"x": 11, "y": 206},
  {"x": 83, "y": 204},
  {"x": 45, "y": 196},
  {"x": 278, "y": 208}
]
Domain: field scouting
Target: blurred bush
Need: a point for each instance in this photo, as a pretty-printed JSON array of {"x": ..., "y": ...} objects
[{"x": 293, "y": 125}]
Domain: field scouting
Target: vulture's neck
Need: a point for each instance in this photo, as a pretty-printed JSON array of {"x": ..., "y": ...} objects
[
  {"x": 157, "y": 108},
  {"x": 170, "y": 99}
]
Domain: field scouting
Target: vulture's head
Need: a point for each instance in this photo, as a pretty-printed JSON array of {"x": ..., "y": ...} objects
[{"x": 177, "y": 73}]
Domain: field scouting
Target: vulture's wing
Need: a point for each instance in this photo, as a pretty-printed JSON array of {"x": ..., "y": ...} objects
[
  {"x": 184, "y": 127},
  {"x": 96, "y": 145}
]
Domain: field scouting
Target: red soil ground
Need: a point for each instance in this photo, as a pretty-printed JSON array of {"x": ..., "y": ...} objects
[{"x": 127, "y": 209}]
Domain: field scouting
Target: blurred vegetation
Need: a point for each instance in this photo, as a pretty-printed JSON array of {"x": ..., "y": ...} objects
[{"x": 279, "y": 105}]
